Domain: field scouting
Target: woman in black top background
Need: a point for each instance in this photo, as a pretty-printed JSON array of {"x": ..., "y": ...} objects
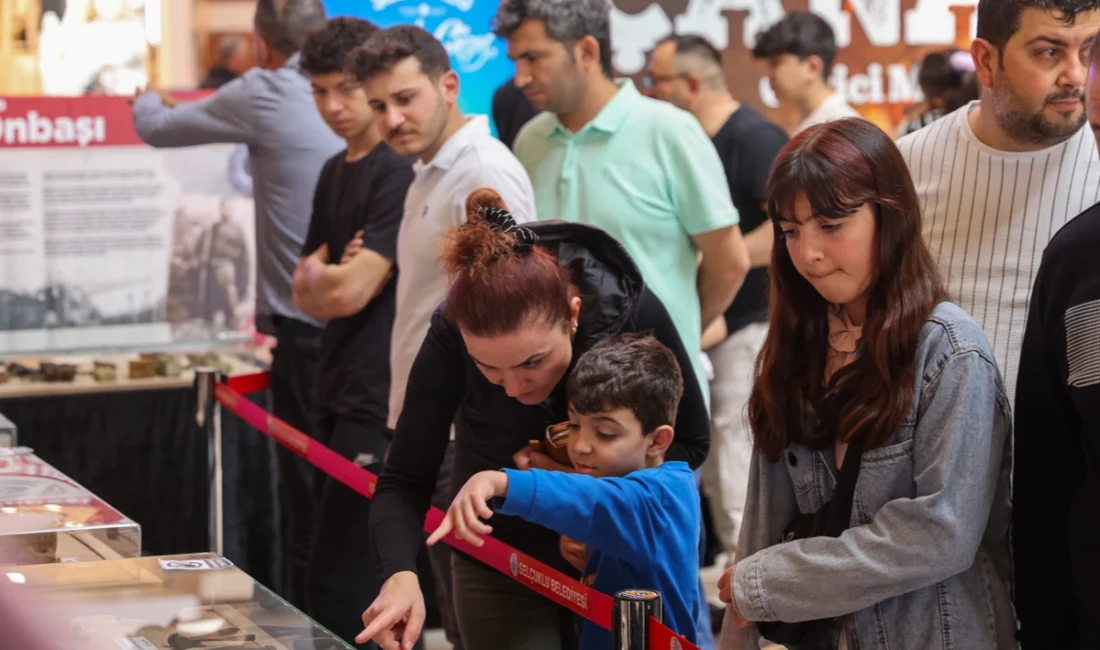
[{"x": 524, "y": 303}]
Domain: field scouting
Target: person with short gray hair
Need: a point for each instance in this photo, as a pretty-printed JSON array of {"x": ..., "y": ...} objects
[
  {"x": 664, "y": 171},
  {"x": 565, "y": 22},
  {"x": 270, "y": 109},
  {"x": 284, "y": 25}
]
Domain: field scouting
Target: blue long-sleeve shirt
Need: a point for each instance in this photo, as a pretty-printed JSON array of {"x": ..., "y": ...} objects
[
  {"x": 642, "y": 532},
  {"x": 273, "y": 112}
]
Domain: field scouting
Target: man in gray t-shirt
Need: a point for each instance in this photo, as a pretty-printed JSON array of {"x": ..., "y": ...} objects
[{"x": 270, "y": 109}]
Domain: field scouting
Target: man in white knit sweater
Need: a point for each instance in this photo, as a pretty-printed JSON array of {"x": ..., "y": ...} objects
[{"x": 997, "y": 178}]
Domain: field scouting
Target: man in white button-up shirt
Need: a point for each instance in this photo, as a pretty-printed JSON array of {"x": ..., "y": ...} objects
[{"x": 409, "y": 82}]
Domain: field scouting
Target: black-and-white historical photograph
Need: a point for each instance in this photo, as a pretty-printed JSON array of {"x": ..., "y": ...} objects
[
  {"x": 210, "y": 282},
  {"x": 63, "y": 305}
]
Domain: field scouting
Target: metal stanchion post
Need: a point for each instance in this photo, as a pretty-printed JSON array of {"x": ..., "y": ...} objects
[
  {"x": 630, "y": 618},
  {"x": 208, "y": 416}
]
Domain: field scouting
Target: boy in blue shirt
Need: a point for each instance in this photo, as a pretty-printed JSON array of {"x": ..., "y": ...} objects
[{"x": 637, "y": 515}]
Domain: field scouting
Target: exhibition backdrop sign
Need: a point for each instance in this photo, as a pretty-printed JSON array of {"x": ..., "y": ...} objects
[
  {"x": 107, "y": 242},
  {"x": 464, "y": 29},
  {"x": 881, "y": 42}
]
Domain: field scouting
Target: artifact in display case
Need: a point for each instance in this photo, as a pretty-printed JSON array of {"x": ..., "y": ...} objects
[
  {"x": 19, "y": 369},
  {"x": 40, "y": 370},
  {"x": 7, "y": 433},
  {"x": 46, "y": 517},
  {"x": 168, "y": 603},
  {"x": 148, "y": 365},
  {"x": 212, "y": 360},
  {"x": 143, "y": 368},
  {"x": 57, "y": 371},
  {"x": 105, "y": 371},
  {"x": 168, "y": 365}
]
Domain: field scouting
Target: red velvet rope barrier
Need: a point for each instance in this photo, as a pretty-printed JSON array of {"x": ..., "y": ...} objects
[{"x": 547, "y": 581}]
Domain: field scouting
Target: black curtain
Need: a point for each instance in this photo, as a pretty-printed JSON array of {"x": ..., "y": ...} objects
[{"x": 141, "y": 452}]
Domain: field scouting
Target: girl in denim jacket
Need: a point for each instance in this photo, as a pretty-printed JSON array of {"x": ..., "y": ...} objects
[{"x": 863, "y": 344}]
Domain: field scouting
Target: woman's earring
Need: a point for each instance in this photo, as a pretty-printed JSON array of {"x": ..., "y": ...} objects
[{"x": 574, "y": 328}]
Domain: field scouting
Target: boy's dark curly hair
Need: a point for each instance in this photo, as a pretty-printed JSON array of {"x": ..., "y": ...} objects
[
  {"x": 326, "y": 48},
  {"x": 631, "y": 371}
]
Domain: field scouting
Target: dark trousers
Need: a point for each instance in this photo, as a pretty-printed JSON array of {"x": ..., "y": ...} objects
[
  {"x": 440, "y": 557},
  {"x": 293, "y": 368},
  {"x": 342, "y": 581},
  {"x": 494, "y": 611}
]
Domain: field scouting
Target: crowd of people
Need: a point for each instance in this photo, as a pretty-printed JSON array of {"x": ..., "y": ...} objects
[{"x": 879, "y": 360}]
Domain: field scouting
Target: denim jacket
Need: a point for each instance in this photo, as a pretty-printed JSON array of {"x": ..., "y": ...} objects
[{"x": 926, "y": 561}]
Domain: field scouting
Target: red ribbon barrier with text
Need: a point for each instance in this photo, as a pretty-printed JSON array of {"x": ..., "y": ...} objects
[
  {"x": 549, "y": 582},
  {"x": 661, "y": 637}
]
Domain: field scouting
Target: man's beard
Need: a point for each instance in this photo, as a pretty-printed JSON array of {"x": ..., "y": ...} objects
[
  {"x": 430, "y": 132},
  {"x": 566, "y": 94},
  {"x": 1034, "y": 128}
]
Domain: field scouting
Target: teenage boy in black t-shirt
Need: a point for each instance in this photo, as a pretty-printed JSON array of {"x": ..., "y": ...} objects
[
  {"x": 345, "y": 277},
  {"x": 686, "y": 71}
]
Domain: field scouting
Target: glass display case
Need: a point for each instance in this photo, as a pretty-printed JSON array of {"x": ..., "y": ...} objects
[
  {"x": 46, "y": 517},
  {"x": 184, "y": 602}
]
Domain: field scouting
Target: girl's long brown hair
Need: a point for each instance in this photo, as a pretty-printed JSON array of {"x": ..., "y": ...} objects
[{"x": 840, "y": 166}]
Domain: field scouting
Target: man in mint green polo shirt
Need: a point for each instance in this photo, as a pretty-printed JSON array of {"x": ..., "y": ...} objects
[{"x": 643, "y": 170}]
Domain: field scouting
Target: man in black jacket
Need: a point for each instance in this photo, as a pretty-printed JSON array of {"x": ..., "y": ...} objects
[
  {"x": 1056, "y": 484},
  {"x": 511, "y": 110}
]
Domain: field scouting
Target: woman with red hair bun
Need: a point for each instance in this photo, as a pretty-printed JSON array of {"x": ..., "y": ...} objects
[{"x": 524, "y": 303}]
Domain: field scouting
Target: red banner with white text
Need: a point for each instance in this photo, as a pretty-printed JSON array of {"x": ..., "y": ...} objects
[{"x": 106, "y": 242}]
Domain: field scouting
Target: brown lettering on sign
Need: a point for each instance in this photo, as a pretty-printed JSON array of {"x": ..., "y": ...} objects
[{"x": 880, "y": 44}]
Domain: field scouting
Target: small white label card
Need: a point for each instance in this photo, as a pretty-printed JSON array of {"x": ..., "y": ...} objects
[{"x": 211, "y": 564}]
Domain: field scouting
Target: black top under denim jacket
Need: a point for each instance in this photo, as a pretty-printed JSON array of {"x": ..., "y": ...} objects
[{"x": 830, "y": 520}]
